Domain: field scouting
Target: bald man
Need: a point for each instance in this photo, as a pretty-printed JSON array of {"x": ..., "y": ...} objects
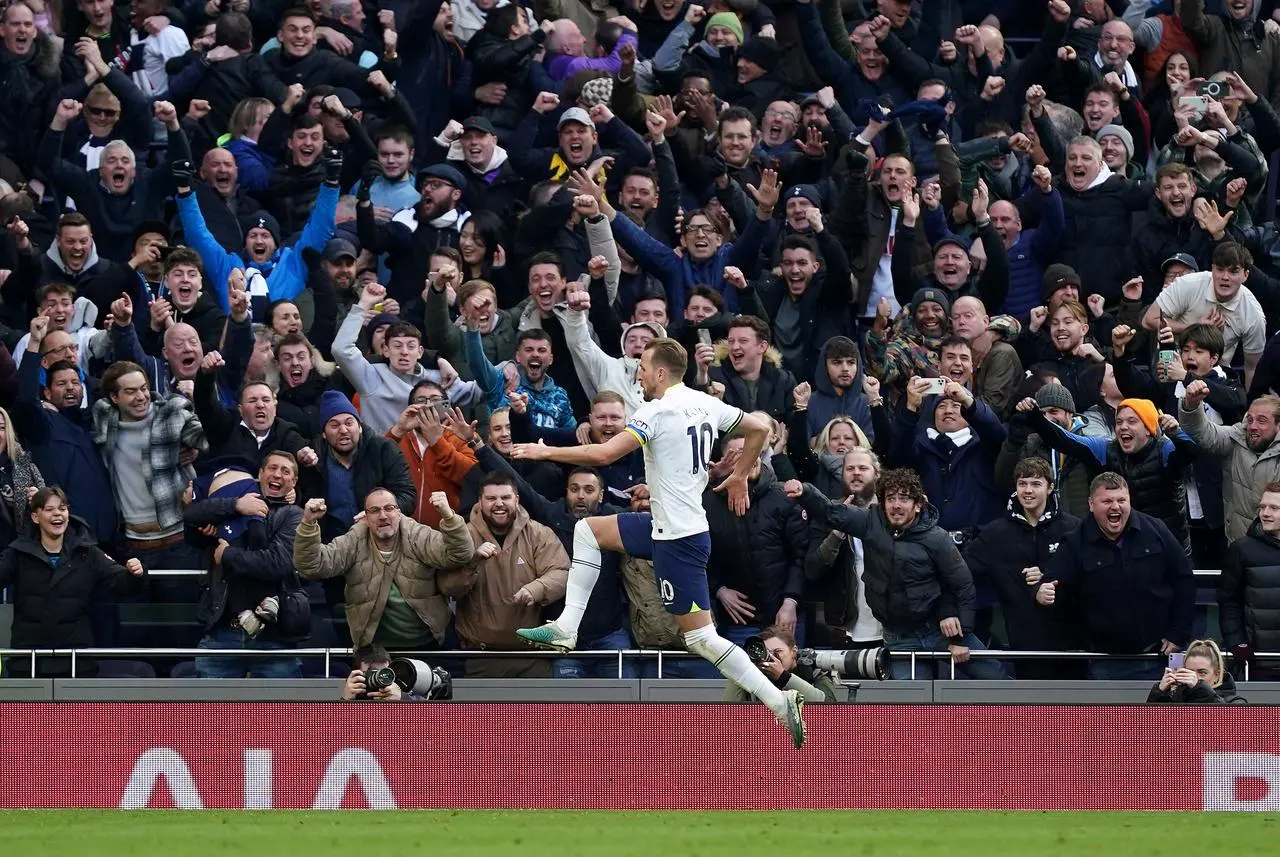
[{"x": 223, "y": 198}]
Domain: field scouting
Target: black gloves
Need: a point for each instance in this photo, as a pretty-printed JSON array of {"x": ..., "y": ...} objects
[
  {"x": 372, "y": 172},
  {"x": 332, "y": 166},
  {"x": 183, "y": 172}
]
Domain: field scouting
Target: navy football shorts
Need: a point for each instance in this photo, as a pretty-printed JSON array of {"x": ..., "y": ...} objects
[{"x": 679, "y": 565}]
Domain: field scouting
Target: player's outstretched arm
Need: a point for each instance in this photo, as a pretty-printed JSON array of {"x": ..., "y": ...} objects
[{"x": 590, "y": 455}]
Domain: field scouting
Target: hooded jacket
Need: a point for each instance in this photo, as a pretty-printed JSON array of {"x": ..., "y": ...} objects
[
  {"x": 52, "y": 605},
  {"x": 597, "y": 369},
  {"x": 998, "y": 555},
  {"x": 529, "y": 555},
  {"x": 1162, "y": 236},
  {"x": 548, "y": 402},
  {"x": 416, "y": 567},
  {"x": 760, "y": 554},
  {"x": 1249, "y": 592},
  {"x": 914, "y": 577},
  {"x": 1202, "y": 694},
  {"x": 825, "y": 403}
]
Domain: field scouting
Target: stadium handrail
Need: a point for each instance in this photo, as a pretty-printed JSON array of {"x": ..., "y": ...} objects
[
  {"x": 328, "y": 653},
  {"x": 196, "y": 572}
]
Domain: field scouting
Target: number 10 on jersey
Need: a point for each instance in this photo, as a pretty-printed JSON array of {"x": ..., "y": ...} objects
[{"x": 701, "y": 439}]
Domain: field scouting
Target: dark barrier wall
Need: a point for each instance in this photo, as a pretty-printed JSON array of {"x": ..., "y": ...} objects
[{"x": 623, "y": 756}]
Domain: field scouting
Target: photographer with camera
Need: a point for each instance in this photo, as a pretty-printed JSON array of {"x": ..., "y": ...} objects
[
  {"x": 776, "y": 655},
  {"x": 380, "y": 679}
]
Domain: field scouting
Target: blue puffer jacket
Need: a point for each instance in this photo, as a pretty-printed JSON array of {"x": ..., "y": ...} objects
[
  {"x": 679, "y": 274},
  {"x": 62, "y": 447},
  {"x": 960, "y": 482},
  {"x": 1030, "y": 255}
]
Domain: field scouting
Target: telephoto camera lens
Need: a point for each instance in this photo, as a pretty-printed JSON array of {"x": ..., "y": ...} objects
[
  {"x": 379, "y": 678},
  {"x": 850, "y": 663},
  {"x": 421, "y": 678}
]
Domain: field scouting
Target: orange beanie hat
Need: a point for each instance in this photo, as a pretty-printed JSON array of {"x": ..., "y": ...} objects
[{"x": 1146, "y": 412}]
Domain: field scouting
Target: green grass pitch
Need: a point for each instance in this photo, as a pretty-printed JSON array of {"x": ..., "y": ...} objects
[{"x": 644, "y": 834}]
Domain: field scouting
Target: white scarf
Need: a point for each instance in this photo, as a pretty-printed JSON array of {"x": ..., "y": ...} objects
[
  {"x": 1130, "y": 79},
  {"x": 498, "y": 158},
  {"x": 959, "y": 438},
  {"x": 451, "y": 219}
]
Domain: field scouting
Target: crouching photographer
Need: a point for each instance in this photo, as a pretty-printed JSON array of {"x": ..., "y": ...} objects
[
  {"x": 381, "y": 679},
  {"x": 776, "y": 654}
]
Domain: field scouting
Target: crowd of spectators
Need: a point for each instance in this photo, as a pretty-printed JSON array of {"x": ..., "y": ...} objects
[{"x": 281, "y": 287}]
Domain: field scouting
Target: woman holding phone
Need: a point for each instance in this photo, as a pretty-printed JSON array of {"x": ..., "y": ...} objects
[{"x": 1196, "y": 676}]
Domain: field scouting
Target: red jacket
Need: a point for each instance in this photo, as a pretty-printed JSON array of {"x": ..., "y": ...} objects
[{"x": 441, "y": 467}]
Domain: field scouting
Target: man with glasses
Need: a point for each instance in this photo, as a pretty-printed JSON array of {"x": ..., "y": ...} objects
[
  {"x": 117, "y": 195},
  {"x": 438, "y": 460},
  {"x": 390, "y": 565}
]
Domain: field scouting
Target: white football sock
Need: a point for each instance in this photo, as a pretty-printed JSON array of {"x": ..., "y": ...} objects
[
  {"x": 734, "y": 664},
  {"x": 583, "y": 574}
]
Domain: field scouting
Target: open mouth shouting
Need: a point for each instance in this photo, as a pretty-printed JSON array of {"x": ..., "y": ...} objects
[
  {"x": 117, "y": 181},
  {"x": 1127, "y": 439},
  {"x": 533, "y": 368}
]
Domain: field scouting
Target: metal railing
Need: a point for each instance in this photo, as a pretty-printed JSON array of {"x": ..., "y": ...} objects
[
  {"x": 1206, "y": 573},
  {"x": 329, "y": 653}
]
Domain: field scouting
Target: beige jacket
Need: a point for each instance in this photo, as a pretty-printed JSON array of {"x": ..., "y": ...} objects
[
  {"x": 531, "y": 556},
  {"x": 419, "y": 555},
  {"x": 1244, "y": 472}
]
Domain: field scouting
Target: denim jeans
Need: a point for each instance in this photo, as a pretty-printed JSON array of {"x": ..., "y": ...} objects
[
  {"x": 598, "y": 667},
  {"x": 928, "y": 638},
  {"x": 232, "y": 667}
]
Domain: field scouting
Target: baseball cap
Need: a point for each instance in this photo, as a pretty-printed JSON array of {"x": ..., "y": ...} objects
[
  {"x": 337, "y": 248},
  {"x": 1181, "y": 259},
  {"x": 481, "y": 124},
  {"x": 349, "y": 99},
  {"x": 575, "y": 114}
]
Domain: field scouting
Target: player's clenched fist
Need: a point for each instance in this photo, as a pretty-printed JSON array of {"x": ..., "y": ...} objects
[{"x": 314, "y": 511}]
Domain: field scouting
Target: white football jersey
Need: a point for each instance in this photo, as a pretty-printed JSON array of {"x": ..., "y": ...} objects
[{"x": 678, "y": 433}]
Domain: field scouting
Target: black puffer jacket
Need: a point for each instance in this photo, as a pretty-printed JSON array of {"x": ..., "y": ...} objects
[
  {"x": 1249, "y": 592},
  {"x": 51, "y": 606},
  {"x": 761, "y": 554},
  {"x": 1161, "y": 237},
  {"x": 914, "y": 577},
  {"x": 999, "y": 554},
  {"x": 495, "y": 59},
  {"x": 29, "y": 85},
  {"x": 292, "y": 194}
]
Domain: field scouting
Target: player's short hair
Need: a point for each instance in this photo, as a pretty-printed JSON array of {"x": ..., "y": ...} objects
[
  {"x": 1108, "y": 481},
  {"x": 901, "y": 481},
  {"x": 1033, "y": 468},
  {"x": 668, "y": 354}
]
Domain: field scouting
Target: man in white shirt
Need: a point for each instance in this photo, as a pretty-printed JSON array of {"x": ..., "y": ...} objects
[
  {"x": 155, "y": 41},
  {"x": 1217, "y": 297},
  {"x": 678, "y": 428}
]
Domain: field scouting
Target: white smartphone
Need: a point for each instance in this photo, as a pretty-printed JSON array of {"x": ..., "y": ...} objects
[
  {"x": 935, "y": 386},
  {"x": 1198, "y": 103}
]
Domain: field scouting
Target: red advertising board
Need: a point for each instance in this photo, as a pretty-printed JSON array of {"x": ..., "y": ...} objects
[{"x": 622, "y": 756}]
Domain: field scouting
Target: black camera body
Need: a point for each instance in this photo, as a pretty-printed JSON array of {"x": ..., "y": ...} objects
[
  {"x": 1215, "y": 89},
  {"x": 379, "y": 678}
]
